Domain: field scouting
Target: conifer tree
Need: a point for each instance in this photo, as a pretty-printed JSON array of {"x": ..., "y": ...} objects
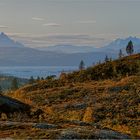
[
  {"x": 38, "y": 78},
  {"x": 129, "y": 48},
  {"x": 31, "y": 80},
  {"x": 106, "y": 59},
  {"x": 1, "y": 90},
  {"x": 81, "y": 65},
  {"x": 120, "y": 54}
]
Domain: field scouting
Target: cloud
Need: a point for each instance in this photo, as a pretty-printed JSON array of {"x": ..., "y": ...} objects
[
  {"x": 3, "y": 26},
  {"x": 87, "y": 22},
  {"x": 44, "y": 40},
  {"x": 52, "y": 24},
  {"x": 38, "y": 18},
  {"x": 74, "y": 37}
]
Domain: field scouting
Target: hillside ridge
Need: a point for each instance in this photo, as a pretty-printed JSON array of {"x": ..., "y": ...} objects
[{"x": 78, "y": 98}]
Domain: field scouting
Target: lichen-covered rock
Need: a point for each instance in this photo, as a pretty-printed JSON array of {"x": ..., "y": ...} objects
[
  {"x": 110, "y": 134},
  {"x": 118, "y": 88},
  {"x": 91, "y": 134},
  {"x": 44, "y": 126},
  {"x": 69, "y": 134}
]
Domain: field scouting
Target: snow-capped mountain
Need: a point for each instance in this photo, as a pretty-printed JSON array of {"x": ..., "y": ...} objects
[
  {"x": 15, "y": 54},
  {"x": 112, "y": 47},
  {"x": 122, "y": 43},
  {"x": 5, "y": 41}
]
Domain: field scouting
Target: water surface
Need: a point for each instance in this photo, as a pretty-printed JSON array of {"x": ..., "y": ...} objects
[{"x": 35, "y": 71}]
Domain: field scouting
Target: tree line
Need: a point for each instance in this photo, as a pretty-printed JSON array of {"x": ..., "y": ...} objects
[
  {"x": 15, "y": 83},
  {"x": 129, "y": 51}
]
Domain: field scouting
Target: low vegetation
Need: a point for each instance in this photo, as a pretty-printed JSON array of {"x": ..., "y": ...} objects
[{"x": 105, "y": 96}]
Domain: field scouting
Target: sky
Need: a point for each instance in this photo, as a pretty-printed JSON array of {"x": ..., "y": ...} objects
[{"x": 43, "y": 23}]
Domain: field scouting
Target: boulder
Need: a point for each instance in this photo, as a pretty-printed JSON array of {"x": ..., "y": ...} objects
[
  {"x": 44, "y": 126},
  {"x": 10, "y": 106},
  {"x": 110, "y": 134},
  {"x": 94, "y": 134}
]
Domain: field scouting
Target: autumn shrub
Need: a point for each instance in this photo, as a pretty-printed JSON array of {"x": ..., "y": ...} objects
[
  {"x": 88, "y": 115},
  {"x": 134, "y": 132},
  {"x": 127, "y": 67},
  {"x": 107, "y": 70}
]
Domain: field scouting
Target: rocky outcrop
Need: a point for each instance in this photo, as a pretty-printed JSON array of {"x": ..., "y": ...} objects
[
  {"x": 45, "y": 126},
  {"x": 58, "y": 131},
  {"x": 97, "y": 134},
  {"x": 10, "y": 106}
]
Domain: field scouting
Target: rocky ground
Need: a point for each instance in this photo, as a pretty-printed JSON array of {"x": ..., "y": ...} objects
[
  {"x": 31, "y": 130},
  {"x": 101, "y": 102}
]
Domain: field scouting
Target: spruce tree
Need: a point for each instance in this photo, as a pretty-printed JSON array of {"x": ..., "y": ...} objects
[
  {"x": 31, "y": 80},
  {"x": 38, "y": 78},
  {"x": 81, "y": 65},
  {"x": 1, "y": 90},
  {"x": 106, "y": 59},
  {"x": 120, "y": 54},
  {"x": 130, "y": 48}
]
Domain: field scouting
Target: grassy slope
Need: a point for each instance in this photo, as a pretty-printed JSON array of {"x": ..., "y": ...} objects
[{"x": 112, "y": 103}]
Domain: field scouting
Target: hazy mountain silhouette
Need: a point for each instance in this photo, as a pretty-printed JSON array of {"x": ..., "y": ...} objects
[
  {"x": 122, "y": 43},
  {"x": 5, "y": 41},
  {"x": 70, "y": 49},
  {"x": 115, "y": 45},
  {"x": 15, "y": 54}
]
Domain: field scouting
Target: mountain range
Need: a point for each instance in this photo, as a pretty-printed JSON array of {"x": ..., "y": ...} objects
[
  {"x": 13, "y": 53},
  {"x": 118, "y": 44},
  {"x": 5, "y": 41},
  {"x": 115, "y": 45},
  {"x": 69, "y": 49}
]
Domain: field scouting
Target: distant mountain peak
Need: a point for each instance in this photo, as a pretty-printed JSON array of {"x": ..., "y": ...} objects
[
  {"x": 6, "y": 41},
  {"x": 118, "y": 44},
  {"x": 3, "y": 35},
  {"x": 132, "y": 37}
]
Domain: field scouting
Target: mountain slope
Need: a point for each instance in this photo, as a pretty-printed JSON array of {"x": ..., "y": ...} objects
[
  {"x": 107, "y": 102},
  {"x": 15, "y": 54},
  {"x": 31, "y": 57},
  {"x": 70, "y": 49},
  {"x": 5, "y": 41},
  {"x": 115, "y": 45},
  {"x": 122, "y": 43}
]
